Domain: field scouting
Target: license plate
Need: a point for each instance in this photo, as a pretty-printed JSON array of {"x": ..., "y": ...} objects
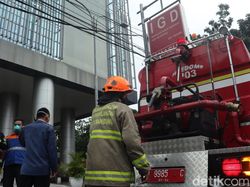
[{"x": 166, "y": 175}]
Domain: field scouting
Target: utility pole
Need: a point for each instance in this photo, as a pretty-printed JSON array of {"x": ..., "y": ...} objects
[{"x": 94, "y": 22}]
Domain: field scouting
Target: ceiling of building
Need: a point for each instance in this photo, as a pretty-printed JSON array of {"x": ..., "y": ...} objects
[{"x": 65, "y": 96}]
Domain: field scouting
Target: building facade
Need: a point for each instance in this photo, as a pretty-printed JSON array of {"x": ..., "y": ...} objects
[{"x": 57, "y": 54}]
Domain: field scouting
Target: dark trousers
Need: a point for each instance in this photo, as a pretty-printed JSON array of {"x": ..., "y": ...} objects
[
  {"x": 10, "y": 173},
  {"x": 37, "y": 181}
]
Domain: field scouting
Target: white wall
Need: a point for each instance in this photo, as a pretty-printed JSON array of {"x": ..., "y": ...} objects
[{"x": 78, "y": 48}]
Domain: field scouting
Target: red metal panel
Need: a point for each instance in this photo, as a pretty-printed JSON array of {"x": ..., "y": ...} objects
[
  {"x": 197, "y": 67},
  {"x": 196, "y": 70}
]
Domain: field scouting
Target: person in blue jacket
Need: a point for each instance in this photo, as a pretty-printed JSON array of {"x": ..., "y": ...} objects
[
  {"x": 41, "y": 156},
  {"x": 14, "y": 156}
]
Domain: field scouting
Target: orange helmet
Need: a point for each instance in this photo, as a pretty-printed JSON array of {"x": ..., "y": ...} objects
[
  {"x": 117, "y": 84},
  {"x": 194, "y": 36}
]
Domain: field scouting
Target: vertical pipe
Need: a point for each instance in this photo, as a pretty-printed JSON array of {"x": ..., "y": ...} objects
[
  {"x": 117, "y": 41},
  {"x": 17, "y": 24},
  {"x": 39, "y": 27},
  {"x": 49, "y": 36},
  {"x": 109, "y": 53},
  {"x": 126, "y": 43},
  {"x": 133, "y": 74},
  {"x": 216, "y": 114},
  {"x": 211, "y": 67},
  {"x": 95, "y": 65},
  {"x": 129, "y": 44},
  {"x": 115, "y": 50},
  {"x": 42, "y": 37},
  {"x": 46, "y": 33},
  {"x": 32, "y": 29},
  {"x": 35, "y": 34},
  {"x": 26, "y": 26},
  {"x": 61, "y": 32},
  {"x": 19, "y": 37},
  {"x": 161, "y": 4},
  {"x": 232, "y": 69},
  {"x": 52, "y": 50},
  {"x": 57, "y": 43},
  {"x": 2, "y": 19},
  {"x": 14, "y": 23},
  {"x": 7, "y": 17},
  {"x": 120, "y": 51},
  {"x": 178, "y": 73},
  {"x": 146, "y": 48}
]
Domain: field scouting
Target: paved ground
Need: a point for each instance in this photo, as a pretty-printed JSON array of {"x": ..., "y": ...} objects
[
  {"x": 57, "y": 185},
  {"x": 51, "y": 185},
  {"x": 75, "y": 183}
]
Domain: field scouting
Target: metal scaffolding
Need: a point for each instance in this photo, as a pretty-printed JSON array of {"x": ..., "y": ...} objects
[
  {"x": 120, "y": 61},
  {"x": 21, "y": 23},
  {"x": 36, "y": 25}
]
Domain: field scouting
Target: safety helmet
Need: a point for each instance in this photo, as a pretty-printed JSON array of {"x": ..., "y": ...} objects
[
  {"x": 181, "y": 41},
  {"x": 194, "y": 36},
  {"x": 117, "y": 84}
]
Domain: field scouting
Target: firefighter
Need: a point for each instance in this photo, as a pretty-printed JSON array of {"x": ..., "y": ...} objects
[
  {"x": 14, "y": 156},
  {"x": 115, "y": 145}
]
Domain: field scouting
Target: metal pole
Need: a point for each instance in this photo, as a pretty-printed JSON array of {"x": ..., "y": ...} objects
[
  {"x": 161, "y": 4},
  {"x": 216, "y": 114},
  {"x": 60, "y": 39},
  {"x": 109, "y": 51},
  {"x": 117, "y": 40},
  {"x": 95, "y": 63},
  {"x": 145, "y": 38},
  {"x": 144, "y": 8},
  {"x": 178, "y": 72},
  {"x": 210, "y": 66},
  {"x": 232, "y": 70},
  {"x": 157, "y": 13},
  {"x": 132, "y": 47}
]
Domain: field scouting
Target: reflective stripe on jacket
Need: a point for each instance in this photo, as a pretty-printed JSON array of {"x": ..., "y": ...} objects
[
  {"x": 15, "y": 151},
  {"x": 113, "y": 176},
  {"x": 114, "y": 147}
]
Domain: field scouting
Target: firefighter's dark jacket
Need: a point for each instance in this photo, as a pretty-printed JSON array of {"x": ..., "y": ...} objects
[
  {"x": 15, "y": 152},
  {"x": 40, "y": 143},
  {"x": 114, "y": 147}
]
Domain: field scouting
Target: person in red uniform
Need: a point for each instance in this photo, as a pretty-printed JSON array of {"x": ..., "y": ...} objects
[{"x": 14, "y": 156}]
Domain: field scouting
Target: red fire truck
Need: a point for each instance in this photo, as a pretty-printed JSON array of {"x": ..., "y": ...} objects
[{"x": 194, "y": 113}]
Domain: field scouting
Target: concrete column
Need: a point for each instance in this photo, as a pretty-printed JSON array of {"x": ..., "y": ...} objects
[
  {"x": 44, "y": 92},
  {"x": 67, "y": 134},
  {"x": 8, "y": 110}
]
